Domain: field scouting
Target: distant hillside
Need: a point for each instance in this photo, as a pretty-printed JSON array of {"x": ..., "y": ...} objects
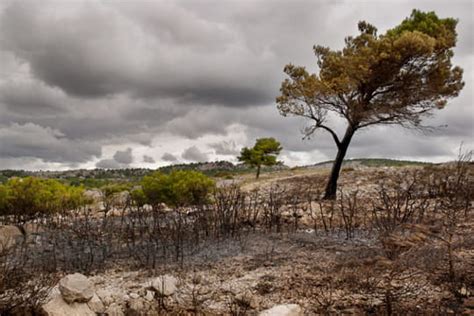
[
  {"x": 209, "y": 168},
  {"x": 373, "y": 162},
  {"x": 99, "y": 177}
]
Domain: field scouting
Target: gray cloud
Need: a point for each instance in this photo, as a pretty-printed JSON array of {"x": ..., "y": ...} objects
[
  {"x": 109, "y": 164},
  {"x": 77, "y": 59},
  {"x": 49, "y": 145},
  {"x": 124, "y": 156},
  {"x": 194, "y": 154},
  {"x": 26, "y": 96},
  {"x": 169, "y": 157},
  {"x": 121, "y": 159},
  {"x": 71, "y": 83},
  {"x": 227, "y": 148},
  {"x": 148, "y": 159}
]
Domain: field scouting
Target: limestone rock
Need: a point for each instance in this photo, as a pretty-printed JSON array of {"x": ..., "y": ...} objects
[
  {"x": 96, "y": 305},
  {"x": 165, "y": 285},
  {"x": 249, "y": 298},
  {"x": 58, "y": 307},
  {"x": 9, "y": 235},
  {"x": 76, "y": 288},
  {"x": 137, "y": 307},
  {"x": 33, "y": 229},
  {"x": 283, "y": 310},
  {"x": 114, "y": 310},
  {"x": 149, "y": 296},
  {"x": 105, "y": 296}
]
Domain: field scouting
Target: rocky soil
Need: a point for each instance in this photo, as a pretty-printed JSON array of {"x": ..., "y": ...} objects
[{"x": 299, "y": 271}]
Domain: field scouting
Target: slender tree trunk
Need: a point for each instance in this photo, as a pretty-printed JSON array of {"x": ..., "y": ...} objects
[
  {"x": 258, "y": 171},
  {"x": 331, "y": 187}
]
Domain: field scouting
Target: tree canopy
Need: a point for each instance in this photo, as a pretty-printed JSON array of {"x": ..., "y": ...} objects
[
  {"x": 179, "y": 188},
  {"x": 263, "y": 153},
  {"x": 27, "y": 198},
  {"x": 395, "y": 78}
]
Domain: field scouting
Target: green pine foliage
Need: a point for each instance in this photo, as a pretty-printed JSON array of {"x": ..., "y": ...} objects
[
  {"x": 178, "y": 188},
  {"x": 26, "y": 198},
  {"x": 263, "y": 153}
]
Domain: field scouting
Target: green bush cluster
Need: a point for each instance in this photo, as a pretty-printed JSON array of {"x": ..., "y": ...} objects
[
  {"x": 27, "y": 198},
  {"x": 179, "y": 188}
]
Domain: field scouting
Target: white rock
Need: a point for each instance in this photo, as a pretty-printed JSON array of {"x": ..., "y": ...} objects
[
  {"x": 58, "y": 307},
  {"x": 136, "y": 307},
  {"x": 119, "y": 294},
  {"x": 76, "y": 288},
  {"x": 134, "y": 295},
  {"x": 9, "y": 235},
  {"x": 149, "y": 296},
  {"x": 165, "y": 285},
  {"x": 96, "y": 305},
  {"x": 283, "y": 310},
  {"x": 114, "y": 310},
  {"x": 105, "y": 296}
]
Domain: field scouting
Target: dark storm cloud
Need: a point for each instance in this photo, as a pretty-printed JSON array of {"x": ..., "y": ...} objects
[
  {"x": 76, "y": 76},
  {"x": 44, "y": 143},
  {"x": 121, "y": 159},
  {"x": 109, "y": 164},
  {"x": 148, "y": 159},
  {"x": 169, "y": 157},
  {"x": 225, "y": 148},
  {"x": 27, "y": 96},
  {"x": 124, "y": 156},
  {"x": 194, "y": 154},
  {"x": 92, "y": 55}
]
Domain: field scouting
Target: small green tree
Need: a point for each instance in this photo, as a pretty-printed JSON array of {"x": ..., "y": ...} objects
[{"x": 263, "y": 153}]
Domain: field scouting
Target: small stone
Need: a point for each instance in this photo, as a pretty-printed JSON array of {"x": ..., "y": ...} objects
[
  {"x": 76, "y": 288},
  {"x": 96, "y": 305},
  {"x": 283, "y": 310},
  {"x": 165, "y": 285},
  {"x": 249, "y": 298},
  {"x": 105, "y": 296},
  {"x": 114, "y": 310},
  {"x": 464, "y": 291},
  {"x": 149, "y": 296},
  {"x": 9, "y": 236},
  {"x": 136, "y": 307}
]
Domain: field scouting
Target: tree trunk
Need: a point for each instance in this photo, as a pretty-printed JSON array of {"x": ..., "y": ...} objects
[
  {"x": 258, "y": 171},
  {"x": 331, "y": 187}
]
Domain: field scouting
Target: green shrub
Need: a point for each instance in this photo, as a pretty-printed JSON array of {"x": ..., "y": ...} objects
[
  {"x": 224, "y": 174},
  {"x": 3, "y": 199},
  {"x": 138, "y": 197},
  {"x": 26, "y": 198},
  {"x": 179, "y": 188}
]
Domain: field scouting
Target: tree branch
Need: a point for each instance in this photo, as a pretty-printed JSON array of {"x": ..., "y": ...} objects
[{"x": 334, "y": 135}]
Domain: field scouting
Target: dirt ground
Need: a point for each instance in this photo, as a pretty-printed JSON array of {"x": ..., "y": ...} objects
[{"x": 322, "y": 271}]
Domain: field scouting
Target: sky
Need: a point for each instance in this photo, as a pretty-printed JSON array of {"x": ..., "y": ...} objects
[{"x": 117, "y": 84}]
